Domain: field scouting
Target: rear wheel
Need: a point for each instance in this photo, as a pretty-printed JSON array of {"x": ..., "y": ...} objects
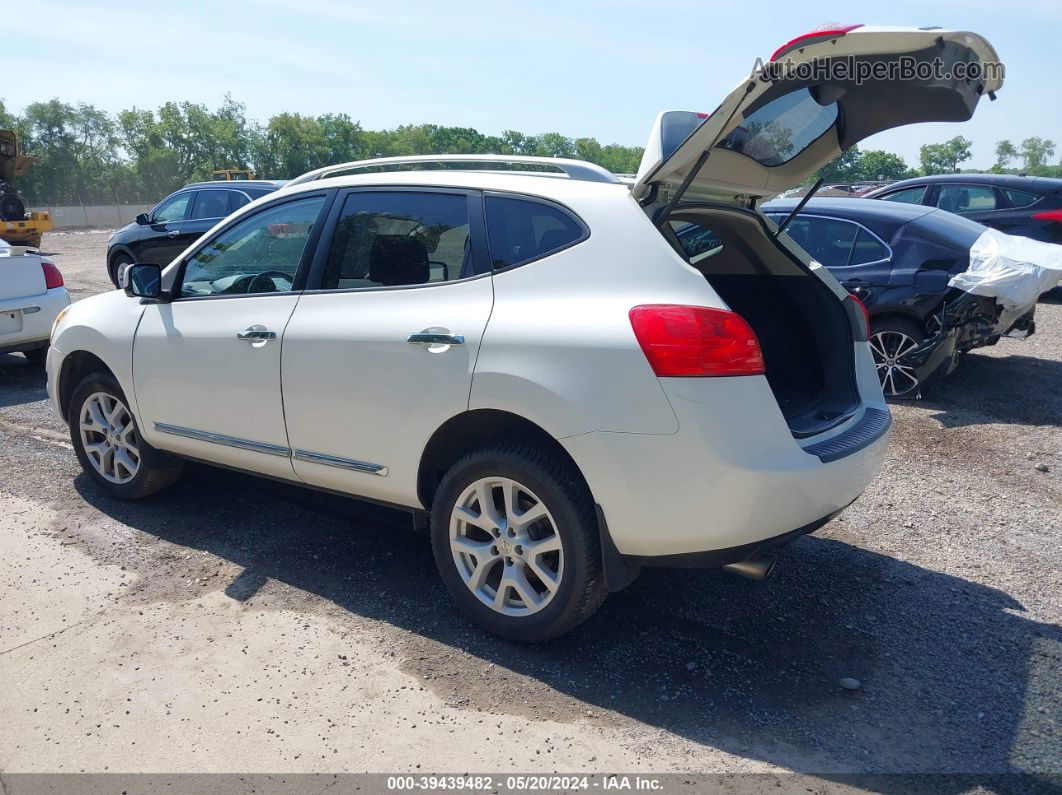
[
  {"x": 108, "y": 443},
  {"x": 516, "y": 543},
  {"x": 891, "y": 340}
]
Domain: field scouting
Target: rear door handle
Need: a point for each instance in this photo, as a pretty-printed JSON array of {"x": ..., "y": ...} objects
[
  {"x": 435, "y": 338},
  {"x": 256, "y": 333},
  {"x": 173, "y": 233}
]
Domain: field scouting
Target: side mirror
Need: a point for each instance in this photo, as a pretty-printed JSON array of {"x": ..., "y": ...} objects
[
  {"x": 143, "y": 281},
  {"x": 142, "y": 219}
]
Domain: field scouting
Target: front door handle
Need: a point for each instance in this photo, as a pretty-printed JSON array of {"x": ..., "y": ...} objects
[
  {"x": 255, "y": 333},
  {"x": 435, "y": 338},
  {"x": 172, "y": 233}
]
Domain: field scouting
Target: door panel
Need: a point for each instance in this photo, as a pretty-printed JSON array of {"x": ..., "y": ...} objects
[
  {"x": 193, "y": 375},
  {"x": 166, "y": 236},
  {"x": 356, "y": 389}
]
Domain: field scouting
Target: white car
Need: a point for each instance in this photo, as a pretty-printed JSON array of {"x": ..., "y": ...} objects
[
  {"x": 526, "y": 358},
  {"x": 31, "y": 296}
]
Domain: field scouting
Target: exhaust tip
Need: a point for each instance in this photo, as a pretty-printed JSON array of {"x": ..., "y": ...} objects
[{"x": 758, "y": 567}]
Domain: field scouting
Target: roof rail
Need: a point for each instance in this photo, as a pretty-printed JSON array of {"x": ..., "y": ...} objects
[{"x": 573, "y": 169}]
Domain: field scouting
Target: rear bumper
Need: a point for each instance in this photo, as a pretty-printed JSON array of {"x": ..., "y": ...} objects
[
  {"x": 729, "y": 480},
  {"x": 34, "y": 317}
]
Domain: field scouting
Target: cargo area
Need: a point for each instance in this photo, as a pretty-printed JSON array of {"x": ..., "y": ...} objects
[{"x": 804, "y": 331}]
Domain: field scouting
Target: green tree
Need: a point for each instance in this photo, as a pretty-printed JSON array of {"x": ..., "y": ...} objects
[
  {"x": 1035, "y": 153},
  {"x": 944, "y": 158},
  {"x": 1005, "y": 154}
]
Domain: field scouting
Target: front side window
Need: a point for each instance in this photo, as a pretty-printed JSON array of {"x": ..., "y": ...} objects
[
  {"x": 399, "y": 239},
  {"x": 907, "y": 195},
  {"x": 520, "y": 230},
  {"x": 259, "y": 254},
  {"x": 210, "y": 204},
  {"x": 782, "y": 129},
  {"x": 966, "y": 198},
  {"x": 173, "y": 209}
]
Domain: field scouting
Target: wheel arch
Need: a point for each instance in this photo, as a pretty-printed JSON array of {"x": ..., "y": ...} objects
[
  {"x": 477, "y": 428},
  {"x": 76, "y": 366}
]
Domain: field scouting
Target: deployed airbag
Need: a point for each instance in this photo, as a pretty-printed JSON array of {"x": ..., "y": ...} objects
[{"x": 1013, "y": 270}]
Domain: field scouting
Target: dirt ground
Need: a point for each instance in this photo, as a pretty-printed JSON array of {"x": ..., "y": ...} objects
[{"x": 231, "y": 624}]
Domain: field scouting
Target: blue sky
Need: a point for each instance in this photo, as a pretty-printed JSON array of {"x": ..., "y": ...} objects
[{"x": 598, "y": 68}]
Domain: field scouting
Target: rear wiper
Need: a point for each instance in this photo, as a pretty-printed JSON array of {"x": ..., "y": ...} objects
[{"x": 799, "y": 207}]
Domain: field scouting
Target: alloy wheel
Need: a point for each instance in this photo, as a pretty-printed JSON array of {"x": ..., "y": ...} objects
[
  {"x": 109, "y": 438},
  {"x": 896, "y": 375},
  {"x": 506, "y": 546}
]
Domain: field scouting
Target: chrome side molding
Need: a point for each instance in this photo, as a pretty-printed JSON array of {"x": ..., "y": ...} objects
[
  {"x": 220, "y": 438},
  {"x": 273, "y": 449},
  {"x": 341, "y": 463}
]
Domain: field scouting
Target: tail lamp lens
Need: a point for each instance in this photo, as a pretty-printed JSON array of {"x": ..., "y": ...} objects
[
  {"x": 52, "y": 277},
  {"x": 696, "y": 341}
]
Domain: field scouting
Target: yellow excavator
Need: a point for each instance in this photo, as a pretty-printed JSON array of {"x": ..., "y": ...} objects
[{"x": 16, "y": 225}]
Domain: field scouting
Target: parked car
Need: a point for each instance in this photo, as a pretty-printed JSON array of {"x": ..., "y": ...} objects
[
  {"x": 898, "y": 259},
  {"x": 1027, "y": 206},
  {"x": 530, "y": 364},
  {"x": 32, "y": 295},
  {"x": 180, "y": 218}
]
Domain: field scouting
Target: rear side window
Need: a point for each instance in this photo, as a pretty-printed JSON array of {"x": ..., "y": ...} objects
[
  {"x": 1019, "y": 198},
  {"x": 827, "y": 240},
  {"x": 398, "y": 239},
  {"x": 907, "y": 195},
  {"x": 867, "y": 248},
  {"x": 521, "y": 230},
  {"x": 237, "y": 199},
  {"x": 966, "y": 198},
  {"x": 210, "y": 204},
  {"x": 782, "y": 129}
]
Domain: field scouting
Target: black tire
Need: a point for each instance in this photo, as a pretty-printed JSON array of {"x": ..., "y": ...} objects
[
  {"x": 900, "y": 386},
  {"x": 581, "y": 589},
  {"x": 116, "y": 265},
  {"x": 37, "y": 357},
  {"x": 156, "y": 470}
]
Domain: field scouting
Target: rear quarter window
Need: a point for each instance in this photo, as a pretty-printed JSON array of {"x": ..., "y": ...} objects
[
  {"x": 1019, "y": 198},
  {"x": 521, "y": 230}
]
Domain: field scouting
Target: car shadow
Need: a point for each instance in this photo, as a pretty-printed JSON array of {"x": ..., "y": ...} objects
[
  {"x": 1013, "y": 389},
  {"x": 20, "y": 381},
  {"x": 953, "y": 677}
]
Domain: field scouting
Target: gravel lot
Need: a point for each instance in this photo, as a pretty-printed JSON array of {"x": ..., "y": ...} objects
[{"x": 232, "y": 624}]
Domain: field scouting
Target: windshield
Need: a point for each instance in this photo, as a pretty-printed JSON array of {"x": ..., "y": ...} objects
[{"x": 782, "y": 129}]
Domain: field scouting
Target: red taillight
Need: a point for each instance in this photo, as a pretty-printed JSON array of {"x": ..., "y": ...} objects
[
  {"x": 690, "y": 341},
  {"x": 52, "y": 276},
  {"x": 866, "y": 314},
  {"x": 1048, "y": 215},
  {"x": 812, "y": 38}
]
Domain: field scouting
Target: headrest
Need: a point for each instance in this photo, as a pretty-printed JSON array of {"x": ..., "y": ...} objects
[{"x": 398, "y": 259}]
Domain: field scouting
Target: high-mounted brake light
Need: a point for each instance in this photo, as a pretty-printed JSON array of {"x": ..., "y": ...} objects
[
  {"x": 814, "y": 37},
  {"x": 52, "y": 277},
  {"x": 1048, "y": 215},
  {"x": 696, "y": 341}
]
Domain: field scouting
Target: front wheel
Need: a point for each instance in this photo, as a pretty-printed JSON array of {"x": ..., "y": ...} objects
[
  {"x": 118, "y": 264},
  {"x": 516, "y": 543},
  {"x": 108, "y": 443}
]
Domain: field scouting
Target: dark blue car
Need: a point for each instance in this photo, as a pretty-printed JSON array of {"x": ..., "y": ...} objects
[{"x": 1026, "y": 206}]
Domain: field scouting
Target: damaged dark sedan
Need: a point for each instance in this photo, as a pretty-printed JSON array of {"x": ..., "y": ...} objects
[{"x": 898, "y": 260}]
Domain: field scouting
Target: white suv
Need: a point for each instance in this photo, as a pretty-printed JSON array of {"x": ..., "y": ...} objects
[{"x": 527, "y": 359}]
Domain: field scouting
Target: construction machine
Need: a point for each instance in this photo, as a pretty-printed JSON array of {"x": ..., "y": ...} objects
[{"x": 16, "y": 225}]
